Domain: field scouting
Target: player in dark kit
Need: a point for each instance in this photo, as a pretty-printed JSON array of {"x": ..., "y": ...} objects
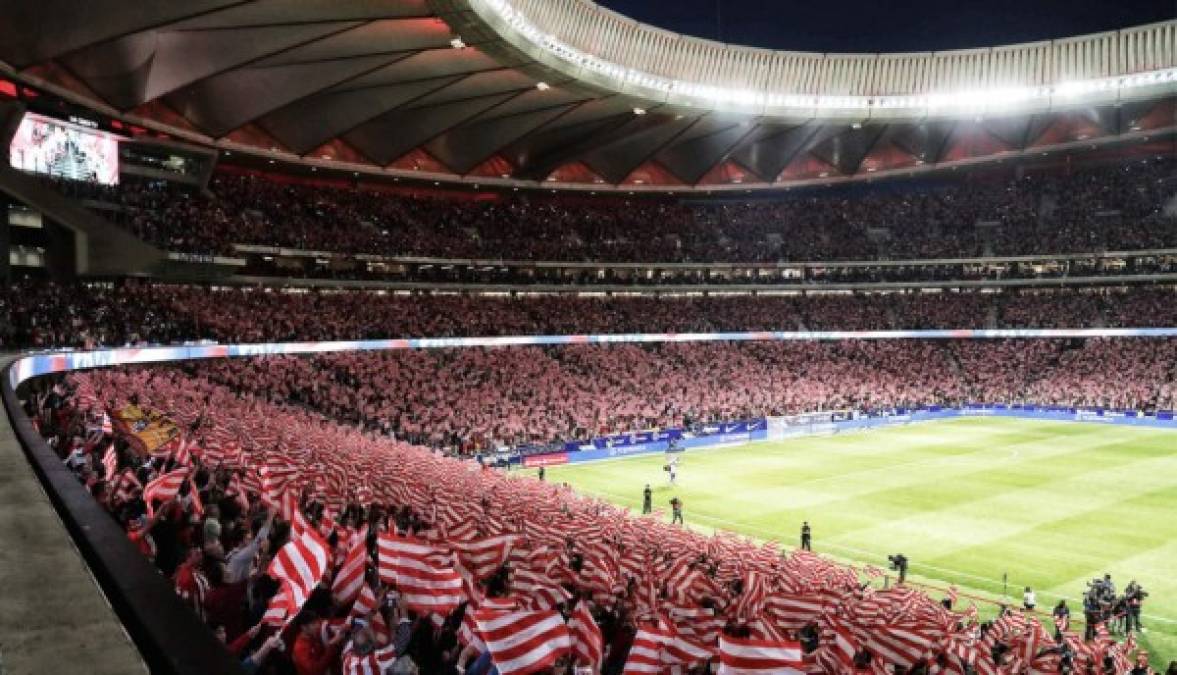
[
  {"x": 806, "y": 537},
  {"x": 541, "y": 473},
  {"x": 647, "y": 500},
  {"x": 676, "y": 510}
]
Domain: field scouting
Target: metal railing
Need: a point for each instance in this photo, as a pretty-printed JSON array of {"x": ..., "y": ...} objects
[{"x": 167, "y": 633}]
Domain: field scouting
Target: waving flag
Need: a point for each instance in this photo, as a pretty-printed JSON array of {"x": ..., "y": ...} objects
[
  {"x": 127, "y": 484},
  {"x": 110, "y": 463},
  {"x": 365, "y": 602},
  {"x": 346, "y": 586},
  {"x": 281, "y": 606},
  {"x": 522, "y": 642},
  {"x": 484, "y": 557},
  {"x": 587, "y": 643},
  {"x": 182, "y": 452},
  {"x": 838, "y": 647},
  {"x": 301, "y": 563},
  {"x": 426, "y": 580},
  {"x": 750, "y": 604},
  {"x": 541, "y": 591},
  {"x": 792, "y": 612},
  {"x": 197, "y": 504},
  {"x": 683, "y": 651},
  {"x": 1062, "y": 623},
  {"x": 165, "y": 488},
  {"x": 373, "y": 663},
  {"x": 902, "y": 644},
  {"x": 645, "y": 655},
  {"x": 746, "y": 656}
]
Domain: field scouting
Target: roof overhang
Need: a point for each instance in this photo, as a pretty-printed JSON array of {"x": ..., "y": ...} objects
[{"x": 499, "y": 92}]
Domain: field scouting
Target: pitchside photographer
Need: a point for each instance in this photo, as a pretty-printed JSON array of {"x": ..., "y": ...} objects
[
  {"x": 1120, "y": 613},
  {"x": 1134, "y": 596},
  {"x": 899, "y": 564}
]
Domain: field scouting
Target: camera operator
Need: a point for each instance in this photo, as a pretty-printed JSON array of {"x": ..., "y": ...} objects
[
  {"x": 1091, "y": 611},
  {"x": 1134, "y": 596},
  {"x": 899, "y": 563}
]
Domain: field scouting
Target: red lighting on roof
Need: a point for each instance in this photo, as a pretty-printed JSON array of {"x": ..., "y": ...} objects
[{"x": 8, "y": 88}]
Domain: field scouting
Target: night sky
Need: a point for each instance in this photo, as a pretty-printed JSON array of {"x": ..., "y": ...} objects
[{"x": 891, "y": 25}]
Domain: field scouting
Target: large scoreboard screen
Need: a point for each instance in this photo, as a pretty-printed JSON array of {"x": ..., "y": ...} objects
[{"x": 66, "y": 150}]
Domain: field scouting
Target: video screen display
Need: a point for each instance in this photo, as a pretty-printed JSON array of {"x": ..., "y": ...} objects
[{"x": 56, "y": 148}]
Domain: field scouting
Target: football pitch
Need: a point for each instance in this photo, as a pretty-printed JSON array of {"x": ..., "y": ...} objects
[{"x": 970, "y": 502}]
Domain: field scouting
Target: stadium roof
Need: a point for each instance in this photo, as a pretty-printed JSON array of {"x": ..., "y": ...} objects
[{"x": 565, "y": 93}]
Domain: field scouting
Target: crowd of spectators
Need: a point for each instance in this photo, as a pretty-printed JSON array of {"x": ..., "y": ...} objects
[
  {"x": 42, "y": 315},
  {"x": 1117, "y": 207},
  {"x": 476, "y": 399},
  {"x": 260, "y": 483}
]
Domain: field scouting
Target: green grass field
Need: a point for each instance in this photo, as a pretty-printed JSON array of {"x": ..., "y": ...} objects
[{"x": 1050, "y": 504}]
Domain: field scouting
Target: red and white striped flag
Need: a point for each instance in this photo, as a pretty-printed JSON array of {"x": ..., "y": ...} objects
[
  {"x": 793, "y": 612},
  {"x": 1034, "y": 638},
  {"x": 127, "y": 484},
  {"x": 301, "y": 562},
  {"x": 374, "y": 663},
  {"x": 274, "y": 479},
  {"x": 699, "y": 624},
  {"x": 164, "y": 488},
  {"x": 903, "y": 645},
  {"x": 587, "y": 643},
  {"x": 645, "y": 654},
  {"x": 838, "y": 647},
  {"x": 750, "y": 604},
  {"x": 483, "y": 557},
  {"x": 683, "y": 651},
  {"x": 365, "y": 602},
  {"x": 468, "y": 631},
  {"x": 110, "y": 463},
  {"x": 182, "y": 454},
  {"x": 281, "y": 606},
  {"x": 540, "y": 590},
  {"x": 521, "y": 641},
  {"x": 746, "y": 656},
  {"x": 427, "y": 583},
  {"x": 197, "y": 504},
  {"x": 350, "y": 577},
  {"x": 1048, "y": 664},
  {"x": 1062, "y": 623}
]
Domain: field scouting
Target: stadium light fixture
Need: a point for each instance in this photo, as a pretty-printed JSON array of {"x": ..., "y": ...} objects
[
  {"x": 458, "y": 43},
  {"x": 543, "y": 86},
  {"x": 998, "y": 99},
  {"x": 639, "y": 111}
]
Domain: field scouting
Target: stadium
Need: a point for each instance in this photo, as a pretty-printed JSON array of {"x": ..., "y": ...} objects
[{"x": 556, "y": 337}]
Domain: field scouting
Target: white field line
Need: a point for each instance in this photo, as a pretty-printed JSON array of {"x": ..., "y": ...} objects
[{"x": 860, "y": 554}]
